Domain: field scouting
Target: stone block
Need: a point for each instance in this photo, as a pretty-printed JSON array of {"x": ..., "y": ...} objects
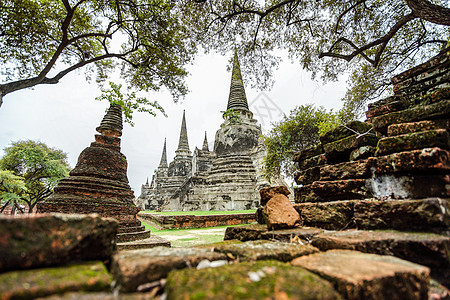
[
  {"x": 325, "y": 191},
  {"x": 343, "y": 131},
  {"x": 386, "y": 105},
  {"x": 259, "y": 232},
  {"x": 314, "y": 161},
  {"x": 365, "y": 276},
  {"x": 409, "y": 186},
  {"x": 151, "y": 242},
  {"x": 279, "y": 213},
  {"x": 422, "y": 215},
  {"x": 307, "y": 176},
  {"x": 135, "y": 267},
  {"x": 32, "y": 241},
  {"x": 340, "y": 150},
  {"x": 31, "y": 284},
  {"x": 411, "y": 127},
  {"x": 266, "y": 250},
  {"x": 330, "y": 215},
  {"x": 346, "y": 170},
  {"x": 417, "y": 140},
  {"x": 308, "y": 152},
  {"x": 427, "y": 249},
  {"x": 427, "y": 159},
  {"x": 439, "y": 110},
  {"x": 362, "y": 153},
  {"x": 249, "y": 280},
  {"x": 267, "y": 193},
  {"x": 260, "y": 219}
]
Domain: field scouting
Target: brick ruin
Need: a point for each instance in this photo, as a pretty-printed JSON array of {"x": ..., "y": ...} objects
[
  {"x": 99, "y": 183},
  {"x": 374, "y": 213},
  {"x": 227, "y": 178}
]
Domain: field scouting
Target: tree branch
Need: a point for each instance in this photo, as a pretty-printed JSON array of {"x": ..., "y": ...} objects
[{"x": 430, "y": 12}]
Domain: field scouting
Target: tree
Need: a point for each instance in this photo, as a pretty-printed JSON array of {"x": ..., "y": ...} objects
[
  {"x": 39, "y": 166},
  {"x": 379, "y": 38},
  {"x": 295, "y": 132},
  {"x": 12, "y": 188},
  {"x": 42, "y": 41}
]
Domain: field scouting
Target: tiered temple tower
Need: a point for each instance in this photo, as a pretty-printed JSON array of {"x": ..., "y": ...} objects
[
  {"x": 99, "y": 183},
  {"x": 229, "y": 177}
]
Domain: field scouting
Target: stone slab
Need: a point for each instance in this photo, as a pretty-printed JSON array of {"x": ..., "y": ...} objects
[
  {"x": 329, "y": 215},
  {"x": 259, "y": 232},
  {"x": 326, "y": 191},
  {"x": 267, "y": 193},
  {"x": 133, "y": 268},
  {"x": 428, "y": 249},
  {"x": 362, "y": 153},
  {"x": 409, "y": 186},
  {"x": 439, "y": 110},
  {"x": 340, "y": 150},
  {"x": 427, "y": 159},
  {"x": 266, "y": 250},
  {"x": 308, "y": 152},
  {"x": 365, "y": 276},
  {"x": 255, "y": 280},
  {"x": 152, "y": 242},
  {"x": 314, "y": 161},
  {"x": 345, "y": 170},
  {"x": 411, "y": 127},
  {"x": 343, "y": 131},
  {"x": 31, "y": 284},
  {"x": 431, "y": 214},
  {"x": 279, "y": 213},
  {"x": 386, "y": 105},
  {"x": 31, "y": 241},
  {"x": 133, "y": 236},
  {"x": 417, "y": 140},
  {"x": 100, "y": 296},
  {"x": 307, "y": 176}
]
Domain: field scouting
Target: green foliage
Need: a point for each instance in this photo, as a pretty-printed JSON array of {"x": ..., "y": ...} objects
[
  {"x": 44, "y": 40},
  {"x": 31, "y": 170},
  {"x": 370, "y": 40},
  {"x": 232, "y": 116},
  {"x": 129, "y": 102},
  {"x": 11, "y": 186},
  {"x": 293, "y": 133}
]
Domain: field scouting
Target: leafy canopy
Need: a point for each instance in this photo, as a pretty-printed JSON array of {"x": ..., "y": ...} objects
[
  {"x": 378, "y": 38},
  {"x": 129, "y": 102},
  {"x": 44, "y": 40},
  {"x": 37, "y": 166},
  {"x": 295, "y": 132}
]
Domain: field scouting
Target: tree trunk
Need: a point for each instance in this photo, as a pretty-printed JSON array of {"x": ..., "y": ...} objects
[{"x": 430, "y": 12}]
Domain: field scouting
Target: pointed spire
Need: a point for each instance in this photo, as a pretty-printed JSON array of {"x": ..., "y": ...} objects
[
  {"x": 112, "y": 121},
  {"x": 146, "y": 181},
  {"x": 237, "y": 99},
  {"x": 205, "y": 144},
  {"x": 163, "y": 162},
  {"x": 183, "y": 144}
]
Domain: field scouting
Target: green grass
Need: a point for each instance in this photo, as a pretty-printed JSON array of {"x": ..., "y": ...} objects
[
  {"x": 188, "y": 237},
  {"x": 200, "y": 213}
]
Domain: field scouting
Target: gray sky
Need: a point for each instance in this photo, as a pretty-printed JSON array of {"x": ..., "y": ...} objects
[{"x": 65, "y": 115}]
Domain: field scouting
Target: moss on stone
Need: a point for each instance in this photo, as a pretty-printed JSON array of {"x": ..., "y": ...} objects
[
  {"x": 259, "y": 280},
  {"x": 31, "y": 284}
]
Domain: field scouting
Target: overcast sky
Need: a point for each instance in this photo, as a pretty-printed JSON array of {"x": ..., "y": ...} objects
[{"x": 65, "y": 115}]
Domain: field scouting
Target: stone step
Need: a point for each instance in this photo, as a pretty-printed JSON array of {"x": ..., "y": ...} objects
[
  {"x": 151, "y": 242},
  {"x": 133, "y": 268},
  {"x": 357, "y": 275},
  {"x": 131, "y": 229},
  {"x": 133, "y": 236},
  {"x": 432, "y": 214},
  {"x": 428, "y": 249}
]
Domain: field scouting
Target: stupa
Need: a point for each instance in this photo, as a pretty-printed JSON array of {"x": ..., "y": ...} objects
[{"x": 99, "y": 183}]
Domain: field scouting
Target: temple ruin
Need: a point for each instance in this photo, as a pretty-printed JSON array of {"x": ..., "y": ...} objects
[{"x": 227, "y": 178}]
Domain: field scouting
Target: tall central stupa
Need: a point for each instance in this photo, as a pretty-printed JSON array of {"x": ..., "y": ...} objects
[{"x": 227, "y": 178}]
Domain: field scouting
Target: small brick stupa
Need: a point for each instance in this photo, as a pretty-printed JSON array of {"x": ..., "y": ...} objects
[{"x": 99, "y": 183}]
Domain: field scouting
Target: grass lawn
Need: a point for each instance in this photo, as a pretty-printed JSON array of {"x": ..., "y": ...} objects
[
  {"x": 189, "y": 237},
  {"x": 199, "y": 213}
]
